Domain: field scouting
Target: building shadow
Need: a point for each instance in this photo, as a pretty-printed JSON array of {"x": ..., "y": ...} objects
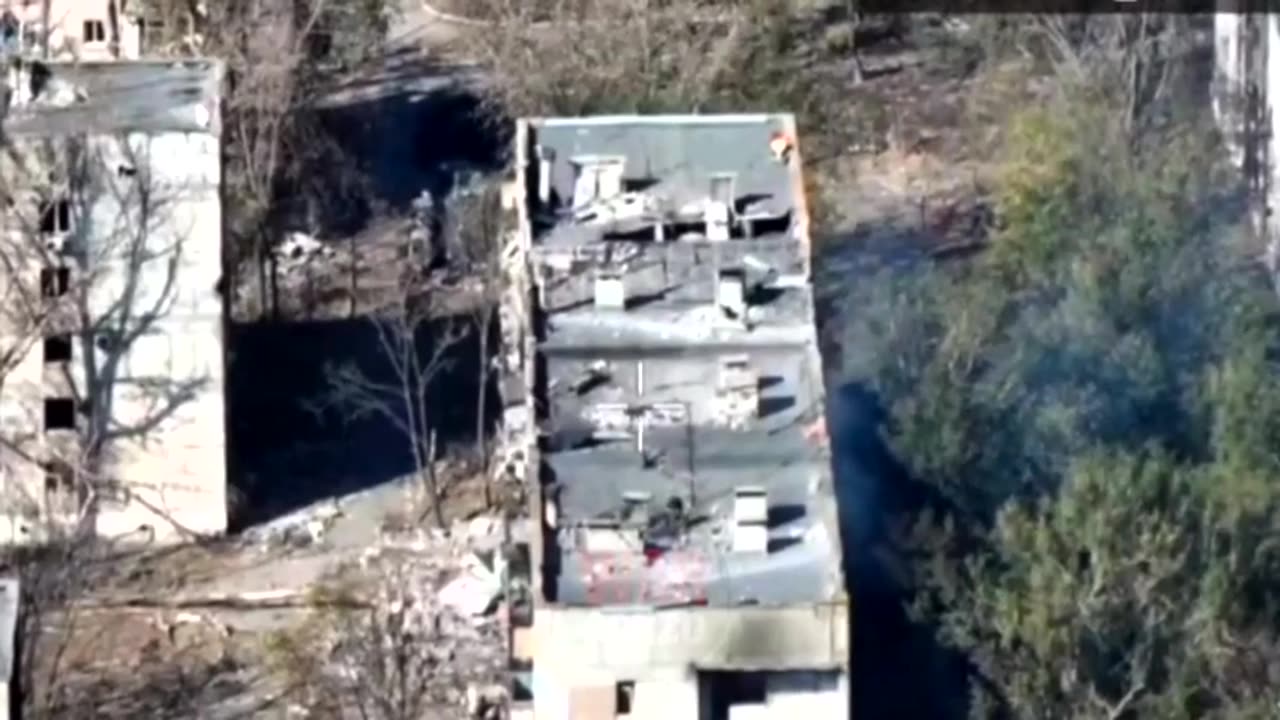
[
  {"x": 290, "y": 445},
  {"x": 897, "y": 667},
  {"x": 410, "y": 127}
]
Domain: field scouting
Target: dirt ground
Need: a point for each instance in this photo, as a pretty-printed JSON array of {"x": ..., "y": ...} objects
[{"x": 163, "y": 633}]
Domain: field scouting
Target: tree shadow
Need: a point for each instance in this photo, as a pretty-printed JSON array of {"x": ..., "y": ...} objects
[
  {"x": 413, "y": 131},
  {"x": 157, "y": 689},
  {"x": 288, "y": 447}
]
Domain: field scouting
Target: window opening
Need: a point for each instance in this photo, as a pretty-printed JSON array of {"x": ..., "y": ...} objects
[
  {"x": 95, "y": 31},
  {"x": 57, "y": 348},
  {"x": 59, "y": 414},
  {"x": 54, "y": 282},
  {"x": 55, "y": 216}
]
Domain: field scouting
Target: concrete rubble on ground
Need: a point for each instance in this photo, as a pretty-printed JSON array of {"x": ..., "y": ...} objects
[
  {"x": 441, "y": 591},
  {"x": 300, "y": 528}
]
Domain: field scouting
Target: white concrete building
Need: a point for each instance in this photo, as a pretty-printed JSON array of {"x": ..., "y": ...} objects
[
  {"x": 75, "y": 29},
  {"x": 10, "y": 604},
  {"x": 1246, "y": 92},
  {"x": 111, "y": 407},
  {"x": 665, "y": 405}
]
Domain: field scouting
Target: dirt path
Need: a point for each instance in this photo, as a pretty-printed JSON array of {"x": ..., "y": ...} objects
[{"x": 420, "y": 22}]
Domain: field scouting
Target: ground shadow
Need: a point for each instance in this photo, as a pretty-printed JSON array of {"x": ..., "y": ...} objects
[
  {"x": 412, "y": 134},
  {"x": 897, "y": 668},
  {"x": 287, "y": 449}
]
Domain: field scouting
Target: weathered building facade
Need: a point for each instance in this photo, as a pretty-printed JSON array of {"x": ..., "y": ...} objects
[
  {"x": 112, "y": 408},
  {"x": 88, "y": 30},
  {"x": 1245, "y": 92},
  {"x": 665, "y": 402},
  {"x": 10, "y": 609}
]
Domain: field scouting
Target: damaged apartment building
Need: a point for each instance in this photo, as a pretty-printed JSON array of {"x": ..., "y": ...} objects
[
  {"x": 689, "y": 559},
  {"x": 111, "y": 402},
  {"x": 86, "y": 30}
]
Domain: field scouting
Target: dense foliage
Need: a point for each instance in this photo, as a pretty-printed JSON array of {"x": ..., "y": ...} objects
[{"x": 1091, "y": 404}]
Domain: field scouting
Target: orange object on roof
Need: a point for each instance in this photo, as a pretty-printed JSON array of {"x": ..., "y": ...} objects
[{"x": 780, "y": 144}]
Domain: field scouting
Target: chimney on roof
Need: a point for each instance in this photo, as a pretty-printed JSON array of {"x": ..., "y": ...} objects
[
  {"x": 750, "y": 519},
  {"x": 737, "y": 400},
  {"x": 546, "y": 156},
  {"x": 731, "y": 294},
  {"x": 719, "y": 209},
  {"x": 610, "y": 292},
  {"x": 597, "y": 177},
  {"x": 716, "y": 216}
]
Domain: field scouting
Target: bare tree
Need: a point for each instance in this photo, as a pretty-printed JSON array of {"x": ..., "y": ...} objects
[
  {"x": 380, "y": 646},
  {"x": 282, "y": 57},
  {"x": 78, "y": 658},
  {"x": 414, "y": 339},
  {"x": 92, "y": 257},
  {"x": 480, "y": 225},
  {"x": 1130, "y": 57},
  {"x": 677, "y": 55},
  {"x": 91, "y": 262},
  {"x": 94, "y": 261}
]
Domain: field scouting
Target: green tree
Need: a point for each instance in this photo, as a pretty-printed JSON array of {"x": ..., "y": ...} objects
[{"x": 1093, "y": 403}]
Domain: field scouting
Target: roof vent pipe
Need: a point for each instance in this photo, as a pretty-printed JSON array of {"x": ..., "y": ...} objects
[
  {"x": 719, "y": 208},
  {"x": 545, "y": 157}
]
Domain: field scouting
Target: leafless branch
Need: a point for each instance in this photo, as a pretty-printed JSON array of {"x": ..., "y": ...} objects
[{"x": 414, "y": 341}]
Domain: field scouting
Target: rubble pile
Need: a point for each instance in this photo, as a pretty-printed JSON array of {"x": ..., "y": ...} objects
[
  {"x": 313, "y": 274},
  {"x": 433, "y": 596}
]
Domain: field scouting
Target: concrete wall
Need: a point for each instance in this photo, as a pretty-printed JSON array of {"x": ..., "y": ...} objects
[
  {"x": 67, "y": 25},
  {"x": 679, "y": 694},
  {"x": 157, "y": 269},
  {"x": 177, "y": 471},
  {"x": 574, "y": 641},
  {"x": 658, "y": 649},
  {"x": 661, "y": 694},
  {"x": 1230, "y": 63},
  {"x": 800, "y": 696}
]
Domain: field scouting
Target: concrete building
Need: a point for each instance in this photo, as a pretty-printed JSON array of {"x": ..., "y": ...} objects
[
  {"x": 75, "y": 29},
  {"x": 10, "y": 603},
  {"x": 688, "y": 563},
  {"x": 111, "y": 358},
  {"x": 1246, "y": 90}
]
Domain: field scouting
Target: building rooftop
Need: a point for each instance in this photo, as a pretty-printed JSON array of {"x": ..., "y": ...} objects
[
  {"x": 62, "y": 98},
  {"x": 682, "y": 378},
  {"x": 661, "y": 166}
]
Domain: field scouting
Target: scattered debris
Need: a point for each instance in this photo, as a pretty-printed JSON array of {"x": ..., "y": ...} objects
[
  {"x": 299, "y": 248},
  {"x": 486, "y": 703},
  {"x": 475, "y": 590},
  {"x": 432, "y": 593},
  {"x": 301, "y": 528}
]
